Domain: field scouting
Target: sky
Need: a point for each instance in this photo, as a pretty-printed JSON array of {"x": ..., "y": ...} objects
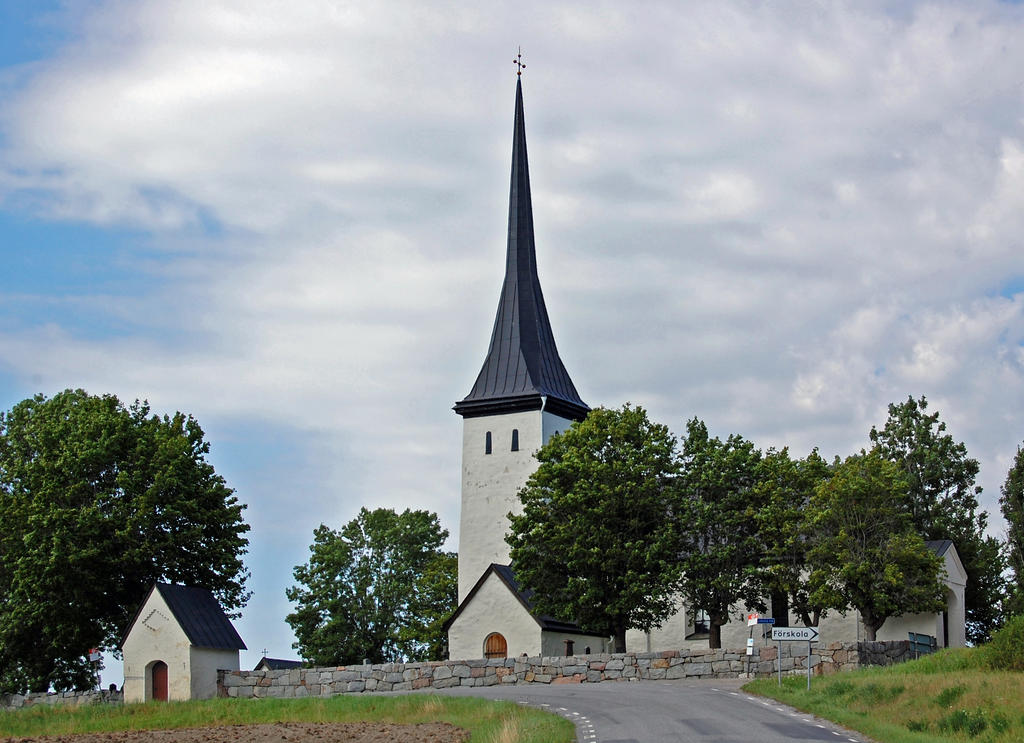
[{"x": 289, "y": 220}]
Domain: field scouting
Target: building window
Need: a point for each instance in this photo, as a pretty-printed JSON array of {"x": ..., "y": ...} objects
[
  {"x": 487, "y": 443},
  {"x": 701, "y": 622},
  {"x": 495, "y": 646},
  {"x": 515, "y": 439}
]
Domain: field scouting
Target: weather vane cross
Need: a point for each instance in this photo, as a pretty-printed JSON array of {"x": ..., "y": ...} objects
[{"x": 518, "y": 62}]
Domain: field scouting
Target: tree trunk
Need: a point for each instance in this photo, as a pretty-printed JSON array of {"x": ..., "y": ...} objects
[
  {"x": 715, "y": 636},
  {"x": 810, "y": 620},
  {"x": 620, "y": 639},
  {"x": 780, "y": 608},
  {"x": 871, "y": 626}
]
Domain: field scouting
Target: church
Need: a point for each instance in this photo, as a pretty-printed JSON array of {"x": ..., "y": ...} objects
[{"x": 522, "y": 396}]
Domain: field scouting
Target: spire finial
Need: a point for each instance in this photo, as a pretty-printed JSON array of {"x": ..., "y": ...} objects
[{"x": 518, "y": 62}]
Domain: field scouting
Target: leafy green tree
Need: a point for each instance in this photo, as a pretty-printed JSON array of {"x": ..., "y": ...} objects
[
  {"x": 1012, "y": 503},
  {"x": 595, "y": 537},
  {"x": 379, "y": 589},
  {"x": 783, "y": 490},
  {"x": 435, "y": 599},
  {"x": 866, "y": 554},
  {"x": 98, "y": 502},
  {"x": 944, "y": 503},
  {"x": 716, "y": 509}
]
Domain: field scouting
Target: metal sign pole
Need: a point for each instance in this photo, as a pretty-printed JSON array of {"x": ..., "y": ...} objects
[
  {"x": 778, "y": 660},
  {"x": 808, "y": 665}
]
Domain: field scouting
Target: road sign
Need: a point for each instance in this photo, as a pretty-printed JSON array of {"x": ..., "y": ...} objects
[
  {"x": 766, "y": 620},
  {"x": 752, "y": 619},
  {"x": 795, "y": 634}
]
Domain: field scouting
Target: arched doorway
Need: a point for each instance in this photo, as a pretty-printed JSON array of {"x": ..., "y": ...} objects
[
  {"x": 159, "y": 681},
  {"x": 495, "y": 646}
]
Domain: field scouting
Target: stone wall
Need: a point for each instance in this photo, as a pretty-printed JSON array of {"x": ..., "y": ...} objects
[
  {"x": 73, "y": 698},
  {"x": 669, "y": 664},
  {"x": 580, "y": 669}
]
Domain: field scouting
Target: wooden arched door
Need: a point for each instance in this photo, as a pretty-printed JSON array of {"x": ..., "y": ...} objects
[
  {"x": 159, "y": 679},
  {"x": 495, "y": 646}
]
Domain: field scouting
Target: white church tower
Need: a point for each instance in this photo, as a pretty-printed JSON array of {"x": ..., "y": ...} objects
[{"x": 522, "y": 396}]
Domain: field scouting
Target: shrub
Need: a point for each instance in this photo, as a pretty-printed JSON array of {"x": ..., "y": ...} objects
[
  {"x": 1005, "y": 652},
  {"x": 948, "y": 660},
  {"x": 964, "y": 721},
  {"x": 838, "y": 688},
  {"x": 875, "y": 693},
  {"x": 1000, "y": 722},
  {"x": 917, "y": 726},
  {"x": 949, "y": 697}
]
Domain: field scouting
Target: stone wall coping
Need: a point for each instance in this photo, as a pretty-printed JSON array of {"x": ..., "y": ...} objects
[{"x": 67, "y": 698}]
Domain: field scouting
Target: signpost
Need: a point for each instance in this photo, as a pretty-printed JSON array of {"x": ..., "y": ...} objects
[
  {"x": 795, "y": 634},
  {"x": 95, "y": 656}
]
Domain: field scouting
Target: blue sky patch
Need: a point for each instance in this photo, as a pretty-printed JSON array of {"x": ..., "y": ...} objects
[{"x": 29, "y": 31}]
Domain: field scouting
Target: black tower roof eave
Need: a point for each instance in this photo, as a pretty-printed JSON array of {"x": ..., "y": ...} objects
[
  {"x": 523, "y": 403},
  {"x": 522, "y": 367}
]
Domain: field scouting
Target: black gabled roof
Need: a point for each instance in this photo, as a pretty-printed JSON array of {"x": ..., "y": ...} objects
[
  {"x": 939, "y": 546},
  {"x": 523, "y": 370},
  {"x": 198, "y": 614},
  {"x": 277, "y": 664},
  {"x": 507, "y": 576}
]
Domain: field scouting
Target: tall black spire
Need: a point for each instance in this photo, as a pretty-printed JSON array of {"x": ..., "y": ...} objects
[{"x": 522, "y": 370}]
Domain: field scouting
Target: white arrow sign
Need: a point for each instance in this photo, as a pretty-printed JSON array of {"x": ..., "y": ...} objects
[{"x": 795, "y": 634}]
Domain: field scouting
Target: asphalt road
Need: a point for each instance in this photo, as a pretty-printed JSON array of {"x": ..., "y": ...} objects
[{"x": 669, "y": 712}]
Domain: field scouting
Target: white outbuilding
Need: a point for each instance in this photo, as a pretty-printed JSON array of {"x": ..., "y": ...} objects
[{"x": 173, "y": 648}]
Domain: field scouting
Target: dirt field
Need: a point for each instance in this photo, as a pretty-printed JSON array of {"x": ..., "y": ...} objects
[{"x": 282, "y": 732}]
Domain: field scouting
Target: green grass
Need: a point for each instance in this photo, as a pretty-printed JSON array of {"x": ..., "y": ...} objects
[
  {"x": 950, "y": 696},
  {"x": 488, "y": 722}
]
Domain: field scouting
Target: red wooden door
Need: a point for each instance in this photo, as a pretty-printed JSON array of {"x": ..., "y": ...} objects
[{"x": 160, "y": 681}]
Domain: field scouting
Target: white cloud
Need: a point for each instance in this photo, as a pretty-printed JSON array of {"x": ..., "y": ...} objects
[{"x": 777, "y": 217}]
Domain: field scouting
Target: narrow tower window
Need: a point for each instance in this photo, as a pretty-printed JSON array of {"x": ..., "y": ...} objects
[
  {"x": 515, "y": 439},
  {"x": 487, "y": 443}
]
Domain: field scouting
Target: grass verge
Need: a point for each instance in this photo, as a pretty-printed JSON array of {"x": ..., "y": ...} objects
[
  {"x": 487, "y": 721},
  {"x": 949, "y": 696}
]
